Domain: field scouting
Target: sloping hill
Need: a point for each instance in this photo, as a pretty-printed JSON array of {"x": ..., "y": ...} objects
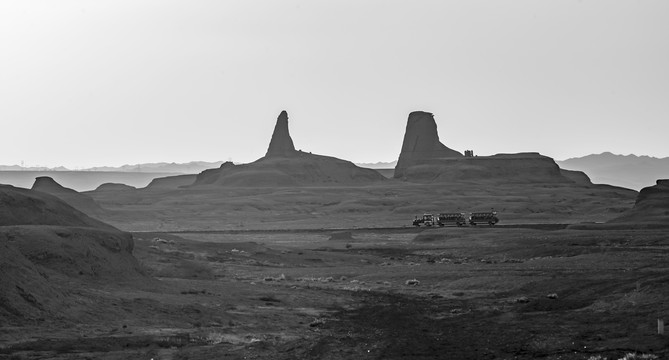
[
  {"x": 20, "y": 206},
  {"x": 171, "y": 182},
  {"x": 46, "y": 246}
]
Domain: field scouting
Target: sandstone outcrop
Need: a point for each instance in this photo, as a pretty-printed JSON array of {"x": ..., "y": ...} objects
[
  {"x": 281, "y": 144},
  {"x": 651, "y": 206},
  {"x": 655, "y": 196},
  {"x": 425, "y": 159},
  {"x": 421, "y": 143},
  {"x": 76, "y": 199},
  {"x": 284, "y": 166},
  {"x": 115, "y": 187},
  {"x": 500, "y": 168},
  {"x": 578, "y": 177}
]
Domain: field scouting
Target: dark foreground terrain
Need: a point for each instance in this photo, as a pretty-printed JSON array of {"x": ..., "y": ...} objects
[{"x": 444, "y": 293}]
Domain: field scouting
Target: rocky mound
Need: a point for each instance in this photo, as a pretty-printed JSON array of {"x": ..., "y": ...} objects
[
  {"x": 46, "y": 246},
  {"x": 76, "y": 199},
  {"x": 115, "y": 187},
  {"x": 507, "y": 168},
  {"x": 284, "y": 166},
  {"x": 421, "y": 143},
  {"x": 171, "y": 182},
  {"x": 578, "y": 177},
  {"x": 651, "y": 206},
  {"x": 28, "y": 207}
]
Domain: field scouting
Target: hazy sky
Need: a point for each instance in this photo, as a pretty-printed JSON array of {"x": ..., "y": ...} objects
[{"x": 91, "y": 83}]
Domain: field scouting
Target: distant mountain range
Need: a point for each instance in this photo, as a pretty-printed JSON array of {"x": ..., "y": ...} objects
[
  {"x": 378, "y": 165},
  {"x": 629, "y": 171},
  {"x": 193, "y": 167}
]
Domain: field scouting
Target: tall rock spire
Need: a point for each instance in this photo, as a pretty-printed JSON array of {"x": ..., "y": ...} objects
[
  {"x": 281, "y": 144},
  {"x": 421, "y": 142}
]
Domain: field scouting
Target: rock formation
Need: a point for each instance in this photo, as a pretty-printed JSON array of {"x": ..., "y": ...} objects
[
  {"x": 421, "y": 143},
  {"x": 281, "y": 144},
  {"x": 285, "y": 166},
  {"x": 47, "y": 246},
  {"x": 651, "y": 206},
  {"x": 76, "y": 199},
  {"x": 578, "y": 177},
  {"x": 425, "y": 159},
  {"x": 20, "y": 206},
  {"x": 115, "y": 187},
  {"x": 171, "y": 182},
  {"x": 655, "y": 196},
  {"x": 500, "y": 168}
]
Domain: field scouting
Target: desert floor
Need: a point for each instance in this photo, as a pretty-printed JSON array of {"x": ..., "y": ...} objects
[
  {"x": 459, "y": 293},
  {"x": 306, "y": 280}
]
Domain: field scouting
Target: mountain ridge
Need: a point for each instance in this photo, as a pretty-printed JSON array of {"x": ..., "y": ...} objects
[
  {"x": 630, "y": 171},
  {"x": 191, "y": 167}
]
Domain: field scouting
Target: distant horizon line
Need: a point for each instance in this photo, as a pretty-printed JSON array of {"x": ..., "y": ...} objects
[{"x": 110, "y": 168}]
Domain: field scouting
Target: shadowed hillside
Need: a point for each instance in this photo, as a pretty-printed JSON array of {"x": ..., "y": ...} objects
[
  {"x": 651, "y": 206},
  {"x": 47, "y": 248}
]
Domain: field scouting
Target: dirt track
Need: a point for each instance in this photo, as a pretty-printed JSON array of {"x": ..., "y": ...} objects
[{"x": 538, "y": 226}]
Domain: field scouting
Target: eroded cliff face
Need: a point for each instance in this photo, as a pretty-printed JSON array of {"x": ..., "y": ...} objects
[
  {"x": 656, "y": 196},
  {"x": 284, "y": 166},
  {"x": 651, "y": 206},
  {"x": 425, "y": 159},
  {"x": 81, "y": 202},
  {"x": 281, "y": 144},
  {"x": 421, "y": 143},
  {"x": 518, "y": 168}
]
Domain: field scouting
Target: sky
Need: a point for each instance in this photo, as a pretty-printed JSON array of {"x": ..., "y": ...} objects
[{"x": 114, "y": 82}]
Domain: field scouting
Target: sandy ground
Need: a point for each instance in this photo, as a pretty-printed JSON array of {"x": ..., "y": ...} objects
[
  {"x": 340, "y": 273},
  {"x": 457, "y": 293}
]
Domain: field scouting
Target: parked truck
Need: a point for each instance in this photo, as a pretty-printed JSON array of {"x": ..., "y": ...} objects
[
  {"x": 426, "y": 219},
  {"x": 489, "y": 218},
  {"x": 458, "y": 219}
]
